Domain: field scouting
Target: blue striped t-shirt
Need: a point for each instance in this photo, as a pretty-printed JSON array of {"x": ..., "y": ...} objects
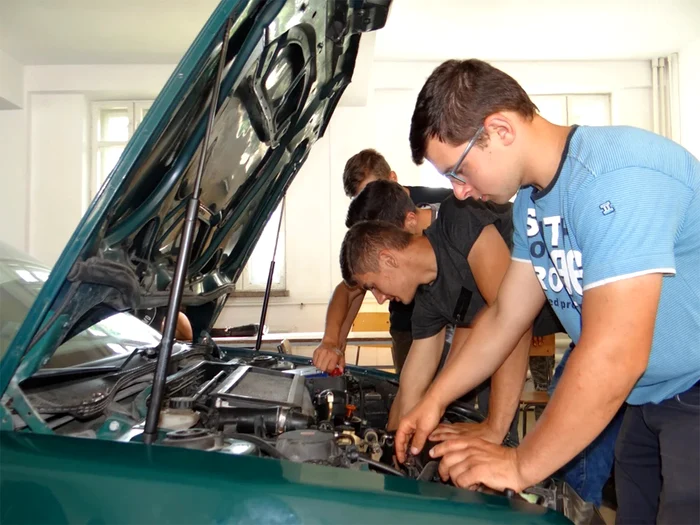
[{"x": 624, "y": 202}]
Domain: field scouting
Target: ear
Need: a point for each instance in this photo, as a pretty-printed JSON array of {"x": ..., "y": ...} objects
[
  {"x": 393, "y": 177},
  {"x": 387, "y": 258},
  {"x": 410, "y": 223},
  {"x": 502, "y": 126}
]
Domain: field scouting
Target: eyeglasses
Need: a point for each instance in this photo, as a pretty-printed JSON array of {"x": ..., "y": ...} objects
[{"x": 452, "y": 174}]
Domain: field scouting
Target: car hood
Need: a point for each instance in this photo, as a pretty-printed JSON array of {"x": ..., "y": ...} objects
[{"x": 287, "y": 64}]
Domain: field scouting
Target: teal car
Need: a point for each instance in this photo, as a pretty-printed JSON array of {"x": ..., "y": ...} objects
[{"x": 103, "y": 420}]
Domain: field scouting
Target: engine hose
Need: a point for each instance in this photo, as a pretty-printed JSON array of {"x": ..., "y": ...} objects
[
  {"x": 381, "y": 466},
  {"x": 466, "y": 411},
  {"x": 274, "y": 419},
  {"x": 260, "y": 443}
]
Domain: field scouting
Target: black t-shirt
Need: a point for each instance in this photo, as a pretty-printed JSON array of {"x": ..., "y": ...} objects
[
  {"x": 399, "y": 313},
  {"x": 453, "y": 297}
]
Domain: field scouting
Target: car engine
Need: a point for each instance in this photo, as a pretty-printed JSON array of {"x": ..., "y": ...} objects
[{"x": 266, "y": 405}]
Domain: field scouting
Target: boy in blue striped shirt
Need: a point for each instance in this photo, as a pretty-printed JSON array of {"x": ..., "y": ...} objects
[{"x": 607, "y": 229}]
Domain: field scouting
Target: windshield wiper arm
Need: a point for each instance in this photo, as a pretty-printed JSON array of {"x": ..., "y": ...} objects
[{"x": 50, "y": 375}]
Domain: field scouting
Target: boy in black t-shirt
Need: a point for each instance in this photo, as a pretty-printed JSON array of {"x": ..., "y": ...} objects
[{"x": 452, "y": 271}]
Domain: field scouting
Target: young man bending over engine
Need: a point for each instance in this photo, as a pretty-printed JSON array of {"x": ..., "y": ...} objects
[
  {"x": 452, "y": 271},
  {"x": 387, "y": 201},
  {"x": 607, "y": 229},
  {"x": 361, "y": 169}
]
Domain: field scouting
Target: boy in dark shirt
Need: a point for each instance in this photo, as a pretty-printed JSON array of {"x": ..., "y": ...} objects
[{"x": 453, "y": 270}]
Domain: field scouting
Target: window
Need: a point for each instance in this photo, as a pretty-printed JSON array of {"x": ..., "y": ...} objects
[
  {"x": 113, "y": 124},
  {"x": 565, "y": 110},
  {"x": 254, "y": 276}
]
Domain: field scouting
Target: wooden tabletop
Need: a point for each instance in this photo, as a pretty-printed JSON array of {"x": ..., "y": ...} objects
[
  {"x": 534, "y": 397},
  {"x": 308, "y": 338}
]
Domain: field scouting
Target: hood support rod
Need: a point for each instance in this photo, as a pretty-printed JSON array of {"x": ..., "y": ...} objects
[
  {"x": 166, "y": 345},
  {"x": 268, "y": 288}
]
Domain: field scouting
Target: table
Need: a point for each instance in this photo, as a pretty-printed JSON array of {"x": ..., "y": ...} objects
[
  {"x": 529, "y": 400},
  {"x": 271, "y": 341},
  {"x": 307, "y": 339}
]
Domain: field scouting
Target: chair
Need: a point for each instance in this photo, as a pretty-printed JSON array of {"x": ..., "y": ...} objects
[
  {"x": 531, "y": 399},
  {"x": 370, "y": 322},
  {"x": 546, "y": 349}
]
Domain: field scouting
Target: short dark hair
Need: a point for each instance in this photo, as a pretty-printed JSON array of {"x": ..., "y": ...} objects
[
  {"x": 381, "y": 200},
  {"x": 362, "y": 243},
  {"x": 457, "y": 98},
  {"x": 360, "y": 166}
]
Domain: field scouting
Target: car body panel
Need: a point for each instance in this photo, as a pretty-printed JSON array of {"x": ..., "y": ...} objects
[{"x": 55, "y": 479}]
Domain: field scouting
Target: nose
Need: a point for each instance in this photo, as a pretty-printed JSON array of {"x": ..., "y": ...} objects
[
  {"x": 380, "y": 297},
  {"x": 461, "y": 191}
]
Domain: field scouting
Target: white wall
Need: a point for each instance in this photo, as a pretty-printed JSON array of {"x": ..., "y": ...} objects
[
  {"x": 14, "y": 178},
  {"x": 100, "y": 81},
  {"x": 689, "y": 79},
  {"x": 13, "y": 153},
  {"x": 11, "y": 82},
  {"x": 58, "y": 171}
]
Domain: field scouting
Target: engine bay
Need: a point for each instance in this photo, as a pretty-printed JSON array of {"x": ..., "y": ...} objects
[{"x": 264, "y": 405}]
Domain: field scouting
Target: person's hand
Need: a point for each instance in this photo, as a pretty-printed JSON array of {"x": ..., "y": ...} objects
[
  {"x": 537, "y": 340},
  {"x": 446, "y": 432},
  {"x": 469, "y": 462},
  {"x": 328, "y": 357},
  {"x": 416, "y": 426}
]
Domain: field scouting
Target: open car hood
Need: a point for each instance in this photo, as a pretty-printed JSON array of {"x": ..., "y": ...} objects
[{"x": 287, "y": 65}]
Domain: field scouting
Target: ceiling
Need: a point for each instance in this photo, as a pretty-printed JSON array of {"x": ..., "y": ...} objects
[
  {"x": 38, "y": 32},
  {"x": 159, "y": 31},
  {"x": 538, "y": 29}
]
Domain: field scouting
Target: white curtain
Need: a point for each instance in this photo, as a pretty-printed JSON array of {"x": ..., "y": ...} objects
[{"x": 666, "y": 97}]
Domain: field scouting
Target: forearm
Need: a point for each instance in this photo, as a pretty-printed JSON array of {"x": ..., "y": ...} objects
[
  {"x": 492, "y": 340},
  {"x": 337, "y": 316},
  {"x": 413, "y": 384},
  {"x": 409, "y": 394},
  {"x": 394, "y": 413},
  {"x": 355, "y": 305},
  {"x": 589, "y": 394},
  {"x": 507, "y": 385},
  {"x": 419, "y": 370}
]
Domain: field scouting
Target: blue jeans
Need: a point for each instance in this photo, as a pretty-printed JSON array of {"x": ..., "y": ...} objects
[{"x": 590, "y": 469}]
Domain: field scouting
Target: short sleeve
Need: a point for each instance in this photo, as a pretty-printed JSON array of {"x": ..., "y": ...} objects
[
  {"x": 626, "y": 223},
  {"x": 425, "y": 195},
  {"x": 462, "y": 223},
  {"x": 425, "y": 322},
  {"x": 521, "y": 250}
]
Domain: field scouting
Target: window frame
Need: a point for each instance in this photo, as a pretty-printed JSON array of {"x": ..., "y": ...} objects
[
  {"x": 245, "y": 287},
  {"x": 135, "y": 112}
]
